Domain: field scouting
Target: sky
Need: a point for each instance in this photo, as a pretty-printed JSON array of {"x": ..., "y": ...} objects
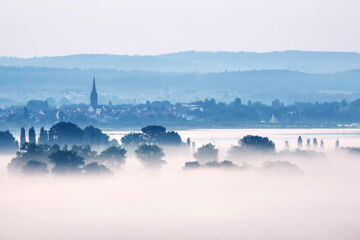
[{"x": 49, "y": 28}]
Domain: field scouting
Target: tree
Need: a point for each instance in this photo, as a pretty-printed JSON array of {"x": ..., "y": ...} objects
[
  {"x": 32, "y": 151},
  {"x": 170, "y": 138},
  {"x": 66, "y": 162},
  {"x": 114, "y": 154},
  {"x": 337, "y": 144},
  {"x": 250, "y": 145},
  {"x": 66, "y": 133},
  {"x": 237, "y": 103},
  {"x": 8, "y": 142},
  {"x": 84, "y": 151},
  {"x": 300, "y": 142},
  {"x": 315, "y": 143},
  {"x": 192, "y": 165},
  {"x": 154, "y": 132},
  {"x": 94, "y": 168},
  {"x": 188, "y": 142},
  {"x": 150, "y": 155},
  {"x": 35, "y": 167},
  {"x": 32, "y": 135},
  {"x": 133, "y": 139},
  {"x": 43, "y": 137},
  {"x": 29, "y": 151},
  {"x": 95, "y": 136},
  {"x": 308, "y": 143},
  {"x": 282, "y": 167},
  {"x": 22, "y": 137},
  {"x": 257, "y": 143},
  {"x": 224, "y": 164},
  {"x": 287, "y": 145},
  {"x": 207, "y": 153}
]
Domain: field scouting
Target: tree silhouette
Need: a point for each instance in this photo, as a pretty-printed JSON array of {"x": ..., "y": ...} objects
[
  {"x": 114, "y": 154},
  {"x": 315, "y": 143},
  {"x": 43, "y": 136},
  {"x": 287, "y": 145},
  {"x": 257, "y": 143},
  {"x": 133, "y": 139},
  {"x": 192, "y": 165},
  {"x": 35, "y": 167},
  {"x": 22, "y": 137},
  {"x": 337, "y": 144},
  {"x": 66, "y": 162},
  {"x": 188, "y": 142},
  {"x": 150, "y": 155},
  {"x": 300, "y": 142},
  {"x": 84, "y": 151},
  {"x": 94, "y": 168},
  {"x": 207, "y": 153},
  {"x": 154, "y": 130},
  {"x": 152, "y": 134},
  {"x": 32, "y": 135},
  {"x": 94, "y": 136},
  {"x": 66, "y": 133},
  {"x": 8, "y": 142}
]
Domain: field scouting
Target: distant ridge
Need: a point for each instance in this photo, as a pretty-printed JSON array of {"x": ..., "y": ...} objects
[
  {"x": 23, "y": 83},
  {"x": 204, "y": 62}
]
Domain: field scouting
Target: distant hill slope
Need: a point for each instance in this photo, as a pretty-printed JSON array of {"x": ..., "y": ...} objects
[
  {"x": 23, "y": 83},
  {"x": 191, "y": 61}
]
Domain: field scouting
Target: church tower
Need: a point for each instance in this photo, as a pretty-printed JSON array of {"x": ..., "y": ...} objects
[{"x": 94, "y": 96}]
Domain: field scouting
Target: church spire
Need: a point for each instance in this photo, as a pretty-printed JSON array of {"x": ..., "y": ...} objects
[
  {"x": 94, "y": 85},
  {"x": 94, "y": 95}
]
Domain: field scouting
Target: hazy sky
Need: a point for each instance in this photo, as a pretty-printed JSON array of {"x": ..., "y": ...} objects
[{"x": 48, "y": 27}]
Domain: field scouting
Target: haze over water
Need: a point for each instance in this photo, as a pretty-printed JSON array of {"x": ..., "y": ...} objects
[{"x": 135, "y": 203}]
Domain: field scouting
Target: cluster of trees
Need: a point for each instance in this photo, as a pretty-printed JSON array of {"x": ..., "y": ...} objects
[
  {"x": 38, "y": 159},
  {"x": 51, "y": 153},
  {"x": 7, "y": 142},
  {"x": 152, "y": 135},
  {"x": 315, "y": 143},
  {"x": 249, "y": 146},
  {"x": 62, "y": 133},
  {"x": 150, "y": 155},
  {"x": 207, "y": 156},
  {"x": 66, "y": 133}
]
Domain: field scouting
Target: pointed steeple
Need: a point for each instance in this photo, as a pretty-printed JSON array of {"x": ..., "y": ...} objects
[
  {"x": 94, "y": 95},
  {"x": 94, "y": 85}
]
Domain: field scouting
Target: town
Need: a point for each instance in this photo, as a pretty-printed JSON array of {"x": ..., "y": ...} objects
[{"x": 206, "y": 113}]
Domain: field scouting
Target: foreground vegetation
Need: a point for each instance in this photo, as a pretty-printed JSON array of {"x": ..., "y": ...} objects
[{"x": 66, "y": 149}]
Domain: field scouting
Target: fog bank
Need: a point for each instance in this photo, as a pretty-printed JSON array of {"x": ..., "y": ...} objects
[{"x": 170, "y": 203}]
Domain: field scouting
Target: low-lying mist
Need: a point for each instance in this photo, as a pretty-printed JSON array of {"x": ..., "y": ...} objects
[{"x": 323, "y": 202}]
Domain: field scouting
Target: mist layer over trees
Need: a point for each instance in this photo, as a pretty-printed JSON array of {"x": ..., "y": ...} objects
[{"x": 288, "y": 193}]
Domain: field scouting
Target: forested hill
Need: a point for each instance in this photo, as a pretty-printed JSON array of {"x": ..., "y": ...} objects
[
  {"x": 289, "y": 86},
  {"x": 191, "y": 61},
  {"x": 33, "y": 77}
]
